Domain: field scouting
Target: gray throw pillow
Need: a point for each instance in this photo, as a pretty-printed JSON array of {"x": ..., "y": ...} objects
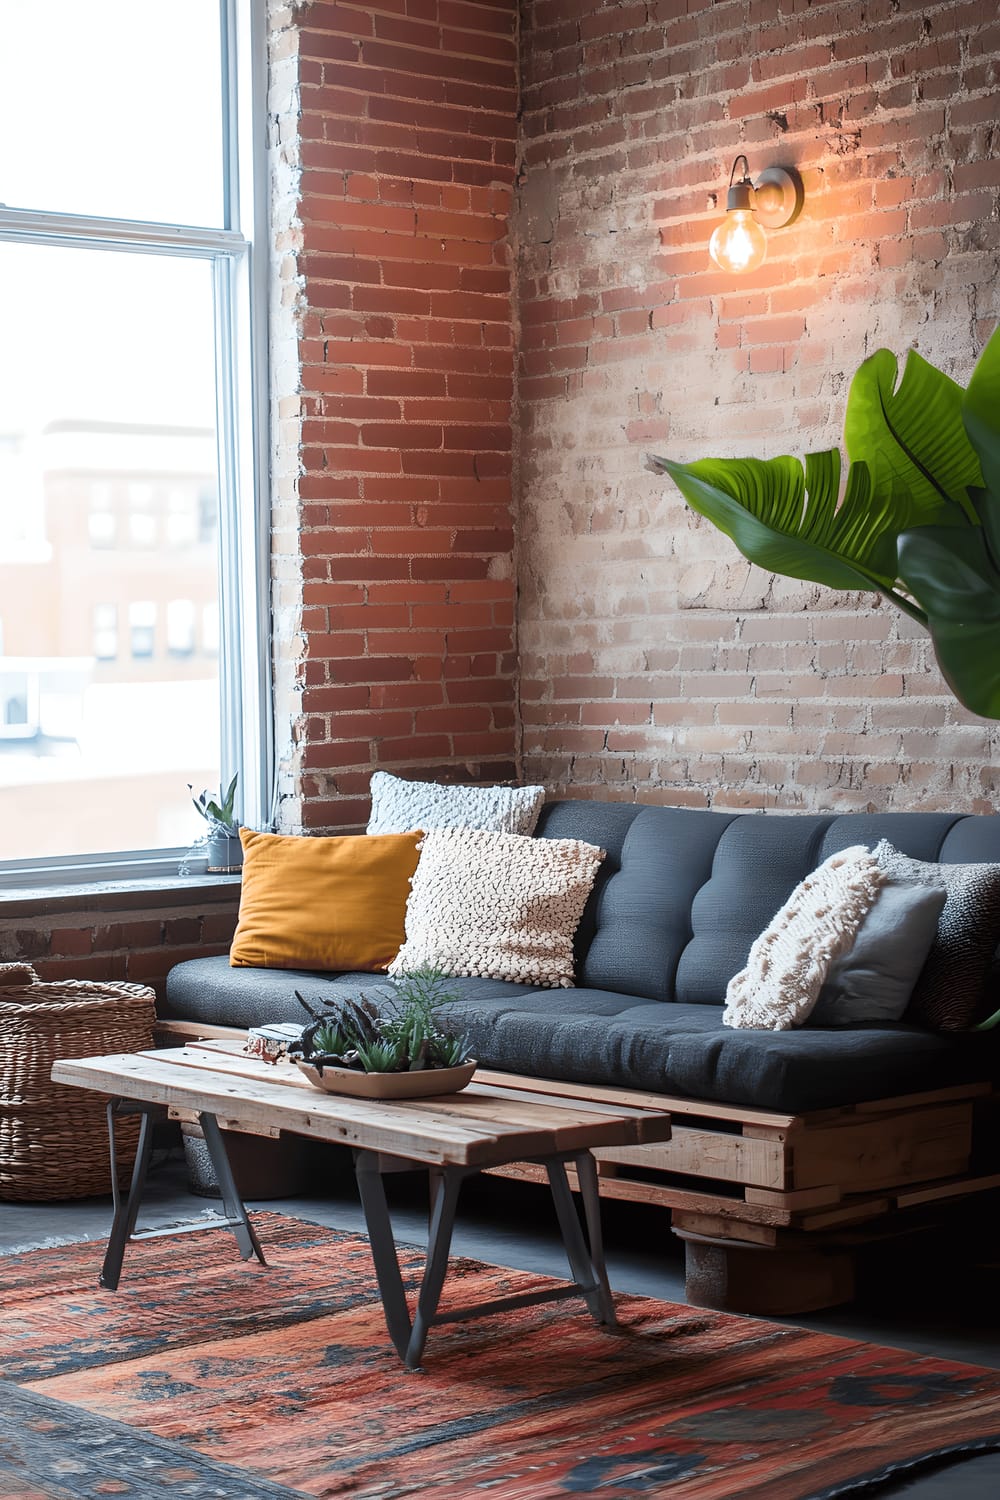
[
  {"x": 874, "y": 980},
  {"x": 950, "y": 993}
]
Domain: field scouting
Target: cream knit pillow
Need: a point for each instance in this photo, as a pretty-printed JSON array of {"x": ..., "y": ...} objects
[
  {"x": 400, "y": 806},
  {"x": 497, "y": 905},
  {"x": 789, "y": 961}
]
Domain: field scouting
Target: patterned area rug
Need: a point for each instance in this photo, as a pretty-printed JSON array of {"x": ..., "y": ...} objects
[
  {"x": 51, "y": 1451},
  {"x": 285, "y": 1373}
]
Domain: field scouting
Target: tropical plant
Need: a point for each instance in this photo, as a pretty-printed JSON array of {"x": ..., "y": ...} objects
[
  {"x": 919, "y": 519},
  {"x": 402, "y": 1035},
  {"x": 217, "y": 809}
]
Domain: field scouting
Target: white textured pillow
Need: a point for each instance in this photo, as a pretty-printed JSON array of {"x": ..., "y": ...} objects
[
  {"x": 400, "y": 806},
  {"x": 789, "y": 961},
  {"x": 497, "y": 905}
]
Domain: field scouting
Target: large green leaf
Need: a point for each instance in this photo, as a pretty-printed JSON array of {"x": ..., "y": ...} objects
[
  {"x": 913, "y": 439},
  {"x": 953, "y": 576},
  {"x": 764, "y": 505},
  {"x": 922, "y": 504},
  {"x": 981, "y": 415}
]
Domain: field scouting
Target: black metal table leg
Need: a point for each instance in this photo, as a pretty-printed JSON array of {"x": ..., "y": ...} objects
[
  {"x": 125, "y": 1210},
  {"x": 380, "y": 1235},
  {"x": 408, "y": 1335},
  {"x": 236, "y": 1214},
  {"x": 586, "y": 1274},
  {"x": 445, "y": 1187},
  {"x": 586, "y": 1171},
  {"x": 584, "y": 1252}
]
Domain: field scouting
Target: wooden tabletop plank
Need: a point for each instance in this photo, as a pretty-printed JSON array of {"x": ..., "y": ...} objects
[
  {"x": 608, "y": 1094},
  {"x": 490, "y": 1130},
  {"x": 265, "y": 1082},
  {"x": 305, "y": 1112},
  {"x": 498, "y": 1112},
  {"x": 229, "y": 1056},
  {"x": 650, "y": 1124},
  {"x": 518, "y": 1105},
  {"x": 237, "y": 1064},
  {"x": 395, "y": 1129},
  {"x": 483, "y": 1102}
]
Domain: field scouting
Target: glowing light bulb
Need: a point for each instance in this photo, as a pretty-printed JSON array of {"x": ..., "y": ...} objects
[{"x": 738, "y": 243}]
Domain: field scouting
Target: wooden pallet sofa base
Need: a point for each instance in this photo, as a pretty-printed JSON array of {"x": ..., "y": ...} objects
[{"x": 806, "y": 1189}]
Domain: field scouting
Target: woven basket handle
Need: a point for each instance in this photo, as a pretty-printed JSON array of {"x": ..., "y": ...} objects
[{"x": 17, "y": 974}]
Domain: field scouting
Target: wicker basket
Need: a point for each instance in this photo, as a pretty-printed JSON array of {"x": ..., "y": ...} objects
[{"x": 53, "y": 1138}]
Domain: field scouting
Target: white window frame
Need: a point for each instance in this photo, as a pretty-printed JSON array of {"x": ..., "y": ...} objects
[{"x": 238, "y": 254}]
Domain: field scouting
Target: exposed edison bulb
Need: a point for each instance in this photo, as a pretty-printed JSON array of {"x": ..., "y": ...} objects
[{"x": 738, "y": 243}]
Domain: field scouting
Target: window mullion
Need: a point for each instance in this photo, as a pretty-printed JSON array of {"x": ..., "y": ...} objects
[{"x": 229, "y": 24}]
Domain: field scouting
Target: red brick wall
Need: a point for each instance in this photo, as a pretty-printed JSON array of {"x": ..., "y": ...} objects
[
  {"x": 116, "y": 935},
  {"x": 656, "y": 663},
  {"x": 403, "y": 528}
]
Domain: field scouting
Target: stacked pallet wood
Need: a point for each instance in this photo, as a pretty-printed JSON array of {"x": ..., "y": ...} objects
[{"x": 738, "y": 1180}]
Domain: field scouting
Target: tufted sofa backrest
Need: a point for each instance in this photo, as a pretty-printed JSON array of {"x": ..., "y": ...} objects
[{"x": 683, "y": 892}]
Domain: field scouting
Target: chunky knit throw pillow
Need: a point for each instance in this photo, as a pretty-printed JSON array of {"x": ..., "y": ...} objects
[
  {"x": 399, "y": 806},
  {"x": 950, "y": 993},
  {"x": 789, "y": 961},
  {"x": 497, "y": 905}
]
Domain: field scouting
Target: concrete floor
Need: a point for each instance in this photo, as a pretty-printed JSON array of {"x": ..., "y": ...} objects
[{"x": 917, "y": 1295}]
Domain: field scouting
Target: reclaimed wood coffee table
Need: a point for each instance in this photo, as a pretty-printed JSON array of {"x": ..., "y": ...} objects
[{"x": 495, "y": 1121}]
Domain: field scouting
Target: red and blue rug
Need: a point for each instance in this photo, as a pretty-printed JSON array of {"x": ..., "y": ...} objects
[{"x": 210, "y": 1377}]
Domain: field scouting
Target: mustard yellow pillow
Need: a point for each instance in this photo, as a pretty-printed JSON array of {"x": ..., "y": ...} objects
[{"x": 323, "y": 903}]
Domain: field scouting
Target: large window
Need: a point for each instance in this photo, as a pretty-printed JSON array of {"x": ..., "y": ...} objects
[{"x": 132, "y": 427}]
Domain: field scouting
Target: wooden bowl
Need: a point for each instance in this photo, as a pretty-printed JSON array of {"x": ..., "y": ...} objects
[{"x": 424, "y": 1084}]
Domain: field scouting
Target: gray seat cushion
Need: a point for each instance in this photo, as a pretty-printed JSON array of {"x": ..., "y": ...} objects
[
  {"x": 599, "y": 1036},
  {"x": 208, "y": 991},
  {"x": 595, "y": 1036}
]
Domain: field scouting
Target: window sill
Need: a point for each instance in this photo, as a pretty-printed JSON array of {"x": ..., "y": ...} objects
[{"x": 120, "y": 895}]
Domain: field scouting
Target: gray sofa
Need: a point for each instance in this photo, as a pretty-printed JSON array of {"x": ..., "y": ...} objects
[{"x": 680, "y": 898}]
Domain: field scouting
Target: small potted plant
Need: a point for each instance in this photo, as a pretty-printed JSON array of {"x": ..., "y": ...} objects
[
  {"x": 396, "y": 1048},
  {"x": 222, "y": 840}
]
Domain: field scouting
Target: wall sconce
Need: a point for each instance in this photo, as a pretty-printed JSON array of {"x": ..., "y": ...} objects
[{"x": 739, "y": 242}]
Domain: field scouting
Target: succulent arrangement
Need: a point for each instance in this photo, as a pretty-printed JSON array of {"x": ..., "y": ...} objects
[{"x": 404, "y": 1035}]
